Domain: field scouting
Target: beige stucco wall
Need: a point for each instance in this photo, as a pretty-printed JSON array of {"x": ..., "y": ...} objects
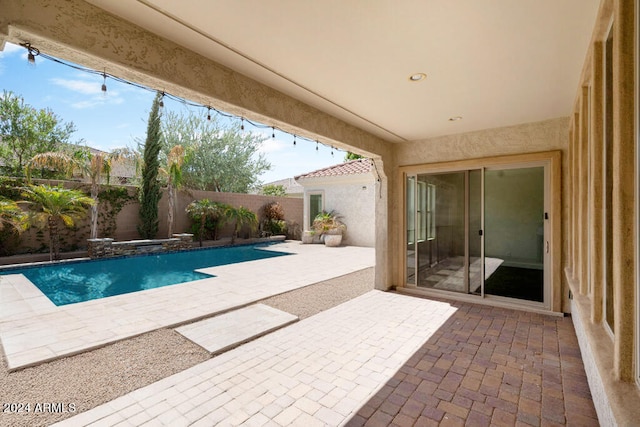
[{"x": 353, "y": 197}]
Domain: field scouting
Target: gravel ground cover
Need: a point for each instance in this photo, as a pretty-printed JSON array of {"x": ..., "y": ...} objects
[{"x": 78, "y": 383}]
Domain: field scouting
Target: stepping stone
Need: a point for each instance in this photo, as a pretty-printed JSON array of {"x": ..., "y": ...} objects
[{"x": 231, "y": 329}]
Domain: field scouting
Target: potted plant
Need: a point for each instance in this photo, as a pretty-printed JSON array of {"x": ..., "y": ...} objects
[
  {"x": 308, "y": 236},
  {"x": 330, "y": 226}
]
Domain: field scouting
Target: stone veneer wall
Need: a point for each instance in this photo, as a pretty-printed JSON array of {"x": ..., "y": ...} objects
[{"x": 106, "y": 248}]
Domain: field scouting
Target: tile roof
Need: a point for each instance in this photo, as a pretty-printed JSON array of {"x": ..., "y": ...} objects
[{"x": 352, "y": 167}]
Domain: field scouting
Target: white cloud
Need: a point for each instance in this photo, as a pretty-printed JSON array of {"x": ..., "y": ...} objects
[
  {"x": 273, "y": 145},
  {"x": 83, "y": 87},
  {"x": 96, "y": 101}
]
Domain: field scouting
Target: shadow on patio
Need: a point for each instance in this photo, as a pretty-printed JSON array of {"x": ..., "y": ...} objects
[{"x": 488, "y": 366}]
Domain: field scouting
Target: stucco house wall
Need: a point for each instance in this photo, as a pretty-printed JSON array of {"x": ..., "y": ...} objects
[{"x": 352, "y": 196}]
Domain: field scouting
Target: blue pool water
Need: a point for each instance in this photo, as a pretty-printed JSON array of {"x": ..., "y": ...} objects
[{"x": 72, "y": 282}]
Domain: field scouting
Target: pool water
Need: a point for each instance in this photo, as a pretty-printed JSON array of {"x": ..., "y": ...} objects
[{"x": 73, "y": 282}]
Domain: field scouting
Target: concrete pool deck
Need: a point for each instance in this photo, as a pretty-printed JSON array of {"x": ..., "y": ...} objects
[{"x": 34, "y": 330}]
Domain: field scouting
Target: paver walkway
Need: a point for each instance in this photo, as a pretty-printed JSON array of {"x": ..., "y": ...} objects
[
  {"x": 380, "y": 359},
  {"x": 220, "y": 333},
  {"x": 33, "y": 329}
]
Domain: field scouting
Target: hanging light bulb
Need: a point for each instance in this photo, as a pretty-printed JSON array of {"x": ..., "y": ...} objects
[
  {"x": 332, "y": 151},
  {"x": 161, "y": 103},
  {"x": 242, "y": 123},
  {"x": 33, "y": 52},
  {"x": 273, "y": 132},
  {"x": 104, "y": 83},
  {"x": 316, "y": 146},
  {"x": 294, "y": 140},
  {"x": 209, "y": 113}
]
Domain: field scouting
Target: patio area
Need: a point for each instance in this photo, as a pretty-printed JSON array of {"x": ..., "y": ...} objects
[{"x": 379, "y": 359}]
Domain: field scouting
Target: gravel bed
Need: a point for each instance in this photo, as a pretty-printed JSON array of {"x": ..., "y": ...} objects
[{"x": 98, "y": 376}]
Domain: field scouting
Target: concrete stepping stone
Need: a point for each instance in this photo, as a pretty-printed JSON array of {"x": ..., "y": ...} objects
[{"x": 236, "y": 327}]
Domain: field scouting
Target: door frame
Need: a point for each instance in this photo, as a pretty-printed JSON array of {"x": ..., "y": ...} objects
[{"x": 553, "y": 227}]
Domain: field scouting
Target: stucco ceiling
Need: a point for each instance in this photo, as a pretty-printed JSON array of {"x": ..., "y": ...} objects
[{"x": 492, "y": 62}]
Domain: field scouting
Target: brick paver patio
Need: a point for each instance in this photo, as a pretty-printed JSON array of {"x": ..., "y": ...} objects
[
  {"x": 380, "y": 359},
  {"x": 488, "y": 366}
]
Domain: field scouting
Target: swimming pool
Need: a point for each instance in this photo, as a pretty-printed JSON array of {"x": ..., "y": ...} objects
[{"x": 79, "y": 281}]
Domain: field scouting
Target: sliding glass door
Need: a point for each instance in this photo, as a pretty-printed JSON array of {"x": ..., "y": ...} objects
[
  {"x": 478, "y": 232},
  {"x": 514, "y": 233}
]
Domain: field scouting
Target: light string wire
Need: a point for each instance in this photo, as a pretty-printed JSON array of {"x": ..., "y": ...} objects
[{"x": 36, "y": 52}]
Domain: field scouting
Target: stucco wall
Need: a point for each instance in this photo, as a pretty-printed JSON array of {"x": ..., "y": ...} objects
[{"x": 355, "y": 202}]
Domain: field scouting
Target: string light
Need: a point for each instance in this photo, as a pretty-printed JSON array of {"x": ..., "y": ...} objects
[
  {"x": 104, "y": 83},
  {"x": 33, "y": 52},
  {"x": 242, "y": 123},
  {"x": 332, "y": 151}
]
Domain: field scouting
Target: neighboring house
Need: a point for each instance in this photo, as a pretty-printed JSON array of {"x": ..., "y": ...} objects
[
  {"x": 349, "y": 189},
  {"x": 291, "y": 187}
]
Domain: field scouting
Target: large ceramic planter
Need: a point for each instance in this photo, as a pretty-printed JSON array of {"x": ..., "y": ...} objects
[
  {"x": 332, "y": 238},
  {"x": 307, "y": 237}
]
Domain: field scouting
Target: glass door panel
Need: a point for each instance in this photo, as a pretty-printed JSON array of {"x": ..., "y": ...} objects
[
  {"x": 410, "y": 219},
  {"x": 440, "y": 231},
  {"x": 514, "y": 233},
  {"x": 476, "y": 265}
]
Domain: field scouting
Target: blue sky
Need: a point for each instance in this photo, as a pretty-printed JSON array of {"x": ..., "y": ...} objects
[{"x": 116, "y": 119}]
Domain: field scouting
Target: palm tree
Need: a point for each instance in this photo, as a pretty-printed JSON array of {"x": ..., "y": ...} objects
[
  {"x": 11, "y": 215},
  {"x": 96, "y": 166},
  {"x": 173, "y": 172},
  {"x": 51, "y": 205},
  {"x": 242, "y": 216},
  {"x": 203, "y": 210}
]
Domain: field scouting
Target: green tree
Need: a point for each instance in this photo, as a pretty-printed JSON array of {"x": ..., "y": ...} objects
[
  {"x": 217, "y": 158},
  {"x": 26, "y": 131},
  {"x": 352, "y": 156},
  {"x": 273, "y": 190},
  {"x": 204, "y": 210},
  {"x": 96, "y": 166},
  {"x": 241, "y": 216},
  {"x": 173, "y": 172},
  {"x": 12, "y": 216},
  {"x": 51, "y": 206},
  {"x": 150, "y": 187}
]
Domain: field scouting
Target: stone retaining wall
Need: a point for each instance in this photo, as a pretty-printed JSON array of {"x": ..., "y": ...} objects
[{"x": 105, "y": 248}]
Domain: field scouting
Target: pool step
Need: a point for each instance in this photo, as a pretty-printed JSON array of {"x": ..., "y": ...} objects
[{"x": 223, "y": 332}]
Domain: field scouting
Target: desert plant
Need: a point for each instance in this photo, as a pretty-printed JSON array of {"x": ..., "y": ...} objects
[
  {"x": 273, "y": 218},
  {"x": 51, "y": 205},
  {"x": 11, "y": 216},
  {"x": 328, "y": 222},
  {"x": 241, "y": 216},
  {"x": 203, "y": 211}
]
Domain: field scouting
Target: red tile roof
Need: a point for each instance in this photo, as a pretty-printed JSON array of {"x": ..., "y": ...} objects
[{"x": 352, "y": 167}]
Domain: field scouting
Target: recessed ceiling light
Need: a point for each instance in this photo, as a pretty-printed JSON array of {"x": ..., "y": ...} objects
[
  {"x": 417, "y": 77},
  {"x": 455, "y": 118}
]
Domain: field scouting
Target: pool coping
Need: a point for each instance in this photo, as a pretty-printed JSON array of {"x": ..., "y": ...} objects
[{"x": 33, "y": 332}]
